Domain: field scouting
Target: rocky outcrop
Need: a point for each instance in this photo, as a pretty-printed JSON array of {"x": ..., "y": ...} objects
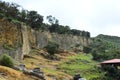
[
  {"x": 25, "y": 39},
  {"x": 17, "y": 39},
  {"x": 10, "y": 39},
  {"x": 64, "y": 40}
]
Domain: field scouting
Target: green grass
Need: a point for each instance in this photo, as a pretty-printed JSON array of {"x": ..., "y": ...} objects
[
  {"x": 79, "y": 63},
  {"x": 82, "y": 64}
]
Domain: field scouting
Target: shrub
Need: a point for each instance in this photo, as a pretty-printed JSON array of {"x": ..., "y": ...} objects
[
  {"x": 6, "y": 60},
  {"x": 112, "y": 73},
  {"x": 86, "y": 49},
  {"x": 52, "y": 48}
]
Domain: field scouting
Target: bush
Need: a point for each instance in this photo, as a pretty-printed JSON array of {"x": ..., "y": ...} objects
[
  {"x": 86, "y": 49},
  {"x": 112, "y": 73},
  {"x": 52, "y": 48},
  {"x": 6, "y": 60}
]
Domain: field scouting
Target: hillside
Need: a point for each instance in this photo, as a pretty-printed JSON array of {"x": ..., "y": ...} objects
[
  {"x": 114, "y": 40},
  {"x": 105, "y": 47},
  {"x": 69, "y": 64}
]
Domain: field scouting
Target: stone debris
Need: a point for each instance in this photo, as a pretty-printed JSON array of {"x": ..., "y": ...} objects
[
  {"x": 3, "y": 74},
  {"x": 78, "y": 77},
  {"x": 34, "y": 72}
]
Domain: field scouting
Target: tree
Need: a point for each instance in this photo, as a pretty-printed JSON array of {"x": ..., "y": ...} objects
[
  {"x": 23, "y": 15},
  {"x": 34, "y": 19},
  {"x": 87, "y": 34},
  {"x": 54, "y": 23},
  {"x": 12, "y": 10},
  {"x": 9, "y": 10},
  {"x": 3, "y": 7},
  {"x": 63, "y": 29},
  {"x": 52, "y": 20},
  {"x": 75, "y": 32},
  {"x": 53, "y": 28},
  {"x": 112, "y": 73}
]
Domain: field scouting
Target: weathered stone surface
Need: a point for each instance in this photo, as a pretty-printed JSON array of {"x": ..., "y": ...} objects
[
  {"x": 18, "y": 39},
  {"x": 10, "y": 39},
  {"x": 25, "y": 39},
  {"x": 64, "y": 40}
]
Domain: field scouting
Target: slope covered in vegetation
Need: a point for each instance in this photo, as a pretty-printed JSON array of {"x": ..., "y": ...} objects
[
  {"x": 114, "y": 41},
  {"x": 67, "y": 66},
  {"x": 105, "y": 47}
]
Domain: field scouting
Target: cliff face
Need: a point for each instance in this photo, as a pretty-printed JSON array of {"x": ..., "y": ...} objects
[
  {"x": 17, "y": 40},
  {"x": 10, "y": 39},
  {"x": 41, "y": 39},
  {"x": 25, "y": 39}
]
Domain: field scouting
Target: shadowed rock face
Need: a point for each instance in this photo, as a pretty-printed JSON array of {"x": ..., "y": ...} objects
[{"x": 17, "y": 39}]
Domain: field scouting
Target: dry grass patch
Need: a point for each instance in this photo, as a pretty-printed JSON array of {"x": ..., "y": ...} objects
[{"x": 10, "y": 73}]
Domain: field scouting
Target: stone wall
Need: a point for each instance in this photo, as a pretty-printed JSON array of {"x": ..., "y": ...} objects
[
  {"x": 17, "y": 39},
  {"x": 40, "y": 39},
  {"x": 10, "y": 39}
]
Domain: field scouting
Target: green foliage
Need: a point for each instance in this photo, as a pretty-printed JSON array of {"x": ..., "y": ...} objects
[
  {"x": 113, "y": 41},
  {"x": 52, "y": 48},
  {"x": 23, "y": 15},
  {"x": 80, "y": 33},
  {"x": 112, "y": 73},
  {"x": 103, "y": 49},
  {"x": 6, "y": 60},
  {"x": 86, "y": 49},
  {"x": 34, "y": 19},
  {"x": 44, "y": 27},
  {"x": 53, "y": 28},
  {"x": 82, "y": 64},
  {"x": 9, "y": 9},
  {"x": 52, "y": 20}
]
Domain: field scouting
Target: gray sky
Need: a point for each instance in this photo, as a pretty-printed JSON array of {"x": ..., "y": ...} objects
[{"x": 95, "y": 16}]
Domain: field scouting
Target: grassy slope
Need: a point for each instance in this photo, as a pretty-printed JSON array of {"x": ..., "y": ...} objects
[
  {"x": 47, "y": 66},
  {"x": 68, "y": 66},
  {"x": 82, "y": 64}
]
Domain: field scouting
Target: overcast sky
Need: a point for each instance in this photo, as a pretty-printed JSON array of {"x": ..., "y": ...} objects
[{"x": 95, "y": 16}]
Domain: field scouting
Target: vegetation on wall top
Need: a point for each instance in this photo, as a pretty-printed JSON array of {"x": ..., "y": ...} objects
[{"x": 14, "y": 12}]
